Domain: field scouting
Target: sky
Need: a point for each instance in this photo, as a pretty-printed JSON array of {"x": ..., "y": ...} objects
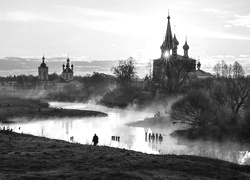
[{"x": 97, "y": 33}]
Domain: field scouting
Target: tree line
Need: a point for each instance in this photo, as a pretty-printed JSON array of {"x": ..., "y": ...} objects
[{"x": 222, "y": 101}]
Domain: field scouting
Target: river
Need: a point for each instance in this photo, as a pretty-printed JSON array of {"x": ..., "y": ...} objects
[{"x": 113, "y": 131}]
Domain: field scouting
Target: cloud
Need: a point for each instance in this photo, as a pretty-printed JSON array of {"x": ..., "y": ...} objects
[
  {"x": 108, "y": 21},
  {"x": 241, "y": 20},
  {"x": 245, "y": 56},
  {"x": 215, "y": 11},
  {"x": 25, "y": 16},
  {"x": 206, "y": 33},
  {"x": 100, "y": 13},
  {"x": 229, "y": 56}
]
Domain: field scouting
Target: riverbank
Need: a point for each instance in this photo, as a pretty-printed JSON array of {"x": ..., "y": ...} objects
[
  {"x": 30, "y": 157},
  {"x": 29, "y": 109}
]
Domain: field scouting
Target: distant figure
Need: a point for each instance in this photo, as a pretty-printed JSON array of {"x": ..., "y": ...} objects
[
  {"x": 160, "y": 138},
  {"x": 118, "y": 139},
  {"x": 153, "y": 137},
  {"x": 95, "y": 140},
  {"x": 72, "y": 138}
]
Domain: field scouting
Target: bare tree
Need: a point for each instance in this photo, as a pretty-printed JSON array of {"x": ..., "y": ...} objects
[
  {"x": 175, "y": 73},
  {"x": 238, "y": 70},
  {"x": 224, "y": 69},
  {"x": 237, "y": 91},
  {"x": 230, "y": 70},
  {"x": 193, "y": 109},
  {"x": 125, "y": 71},
  {"x": 217, "y": 70}
]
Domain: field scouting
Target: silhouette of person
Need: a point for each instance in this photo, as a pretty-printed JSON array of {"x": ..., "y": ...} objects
[
  {"x": 160, "y": 138},
  {"x": 153, "y": 137},
  {"x": 95, "y": 140}
]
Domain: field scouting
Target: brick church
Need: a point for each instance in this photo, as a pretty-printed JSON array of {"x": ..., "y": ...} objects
[{"x": 169, "y": 55}]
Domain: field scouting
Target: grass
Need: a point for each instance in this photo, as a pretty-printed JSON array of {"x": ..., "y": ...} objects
[{"x": 31, "y": 157}]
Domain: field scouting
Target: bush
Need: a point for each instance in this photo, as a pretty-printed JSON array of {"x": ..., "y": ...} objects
[
  {"x": 125, "y": 97},
  {"x": 194, "y": 109}
]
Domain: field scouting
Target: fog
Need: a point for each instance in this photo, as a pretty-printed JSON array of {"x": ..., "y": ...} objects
[{"x": 130, "y": 137}]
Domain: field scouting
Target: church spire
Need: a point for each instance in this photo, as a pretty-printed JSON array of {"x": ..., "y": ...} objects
[
  {"x": 186, "y": 47},
  {"x": 167, "y": 44},
  {"x": 43, "y": 58}
]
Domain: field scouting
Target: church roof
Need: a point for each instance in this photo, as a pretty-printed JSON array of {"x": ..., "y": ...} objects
[
  {"x": 168, "y": 41},
  {"x": 175, "y": 41},
  {"x": 59, "y": 80},
  {"x": 203, "y": 74},
  {"x": 179, "y": 57},
  {"x": 67, "y": 70}
]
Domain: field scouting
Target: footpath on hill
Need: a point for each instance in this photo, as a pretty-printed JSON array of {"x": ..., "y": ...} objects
[{"x": 29, "y": 157}]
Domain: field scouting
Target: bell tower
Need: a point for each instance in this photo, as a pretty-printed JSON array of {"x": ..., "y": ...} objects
[{"x": 43, "y": 71}]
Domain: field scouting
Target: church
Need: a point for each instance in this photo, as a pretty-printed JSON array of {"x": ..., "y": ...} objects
[
  {"x": 170, "y": 57},
  {"x": 66, "y": 77}
]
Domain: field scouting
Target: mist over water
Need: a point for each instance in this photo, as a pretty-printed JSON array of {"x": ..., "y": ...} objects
[{"x": 133, "y": 138}]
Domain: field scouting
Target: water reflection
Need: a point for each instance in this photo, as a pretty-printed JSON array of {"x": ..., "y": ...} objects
[{"x": 112, "y": 132}]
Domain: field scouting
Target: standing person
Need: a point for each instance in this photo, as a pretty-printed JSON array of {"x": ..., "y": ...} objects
[{"x": 95, "y": 140}]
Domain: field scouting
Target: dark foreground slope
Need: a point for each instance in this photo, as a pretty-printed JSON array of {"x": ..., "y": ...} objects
[{"x": 29, "y": 157}]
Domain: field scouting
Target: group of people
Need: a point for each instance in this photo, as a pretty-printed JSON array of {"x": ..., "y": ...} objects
[
  {"x": 115, "y": 138},
  {"x": 152, "y": 137}
]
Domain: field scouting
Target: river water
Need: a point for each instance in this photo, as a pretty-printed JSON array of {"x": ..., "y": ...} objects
[{"x": 113, "y": 131}]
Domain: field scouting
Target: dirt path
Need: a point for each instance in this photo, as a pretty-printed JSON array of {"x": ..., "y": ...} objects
[{"x": 30, "y": 157}]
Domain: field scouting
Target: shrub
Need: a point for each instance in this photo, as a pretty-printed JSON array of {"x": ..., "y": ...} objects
[{"x": 193, "y": 109}]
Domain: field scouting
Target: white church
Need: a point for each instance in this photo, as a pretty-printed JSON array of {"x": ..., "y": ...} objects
[{"x": 66, "y": 78}]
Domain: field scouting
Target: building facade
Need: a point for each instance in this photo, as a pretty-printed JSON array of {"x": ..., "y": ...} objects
[{"x": 43, "y": 71}]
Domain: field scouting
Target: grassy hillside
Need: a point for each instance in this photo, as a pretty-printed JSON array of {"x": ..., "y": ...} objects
[{"x": 29, "y": 157}]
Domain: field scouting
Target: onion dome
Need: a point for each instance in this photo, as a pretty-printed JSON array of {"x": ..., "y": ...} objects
[
  {"x": 43, "y": 63},
  {"x": 175, "y": 41},
  {"x": 186, "y": 46}
]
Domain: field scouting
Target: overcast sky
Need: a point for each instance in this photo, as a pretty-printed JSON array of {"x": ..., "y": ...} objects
[{"x": 117, "y": 29}]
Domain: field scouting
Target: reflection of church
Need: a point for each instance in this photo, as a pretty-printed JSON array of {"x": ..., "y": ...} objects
[
  {"x": 169, "y": 53},
  {"x": 66, "y": 78}
]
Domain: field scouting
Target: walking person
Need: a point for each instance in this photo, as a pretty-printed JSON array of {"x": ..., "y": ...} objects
[{"x": 95, "y": 140}]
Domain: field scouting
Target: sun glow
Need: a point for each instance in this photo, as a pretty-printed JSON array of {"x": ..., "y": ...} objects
[{"x": 167, "y": 54}]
